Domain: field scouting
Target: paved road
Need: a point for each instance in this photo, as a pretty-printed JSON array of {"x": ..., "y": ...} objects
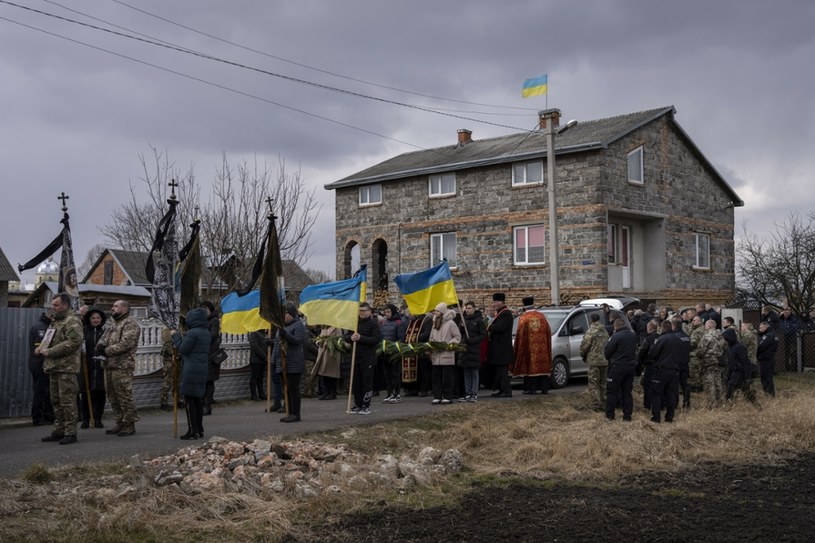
[{"x": 20, "y": 444}]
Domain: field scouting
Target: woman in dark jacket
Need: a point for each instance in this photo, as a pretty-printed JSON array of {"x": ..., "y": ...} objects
[
  {"x": 473, "y": 333},
  {"x": 213, "y": 368},
  {"x": 293, "y": 334},
  {"x": 92, "y": 376},
  {"x": 194, "y": 350}
]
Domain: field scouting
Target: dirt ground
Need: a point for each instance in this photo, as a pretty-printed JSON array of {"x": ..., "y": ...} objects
[{"x": 714, "y": 502}]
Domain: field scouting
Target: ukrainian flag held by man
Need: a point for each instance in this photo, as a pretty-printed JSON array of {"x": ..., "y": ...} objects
[
  {"x": 336, "y": 303},
  {"x": 535, "y": 86},
  {"x": 424, "y": 290}
]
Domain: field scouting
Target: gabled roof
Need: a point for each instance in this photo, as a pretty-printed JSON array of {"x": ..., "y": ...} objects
[
  {"x": 7, "y": 272},
  {"x": 585, "y": 136},
  {"x": 295, "y": 277},
  {"x": 85, "y": 288},
  {"x": 132, "y": 263}
]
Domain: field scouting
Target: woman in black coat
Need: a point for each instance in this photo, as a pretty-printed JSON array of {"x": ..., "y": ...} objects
[
  {"x": 92, "y": 376},
  {"x": 194, "y": 350}
]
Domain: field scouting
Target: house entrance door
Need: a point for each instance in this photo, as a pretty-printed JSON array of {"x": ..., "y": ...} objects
[{"x": 625, "y": 255}]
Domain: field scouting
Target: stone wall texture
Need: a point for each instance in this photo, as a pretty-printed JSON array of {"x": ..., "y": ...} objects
[{"x": 680, "y": 193}]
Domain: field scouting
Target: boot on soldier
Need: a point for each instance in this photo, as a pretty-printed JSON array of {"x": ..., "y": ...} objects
[
  {"x": 116, "y": 429},
  {"x": 127, "y": 430}
]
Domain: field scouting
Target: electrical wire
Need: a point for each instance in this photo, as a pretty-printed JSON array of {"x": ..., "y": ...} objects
[
  {"x": 301, "y": 65},
  {"x": 260, "y": 70}
]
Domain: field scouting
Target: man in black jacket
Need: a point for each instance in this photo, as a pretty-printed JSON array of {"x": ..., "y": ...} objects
[
  {"x": 740, "y": 369},
  {"x": 41, "y": 410},
  {"x": 767, "y": 347},
  {"x": 683, "y": 361},
  {"x": 367, "y": 337},
  {"x": 620, "y": 352},
  {"x": 665, "y": 356},
  {"x": 644, "y": 364}
]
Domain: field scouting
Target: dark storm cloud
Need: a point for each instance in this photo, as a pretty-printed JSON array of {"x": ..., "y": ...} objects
[{"x": 76, "y": 119}]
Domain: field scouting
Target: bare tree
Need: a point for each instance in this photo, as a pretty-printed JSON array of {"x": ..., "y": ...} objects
[
  {"x": 90, "y": 258},
  {"x": 781, "y": 267},
  {"x": 233, "y": 221},
  {"x": 319, "y": 276},
  {"x": 133, "y": 224}
]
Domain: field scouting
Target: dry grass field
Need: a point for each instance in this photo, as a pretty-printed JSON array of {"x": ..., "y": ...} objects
[{"x": 543, "y": 469}]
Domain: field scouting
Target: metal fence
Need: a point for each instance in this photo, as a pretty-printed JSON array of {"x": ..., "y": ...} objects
[{"x": 15, "y": 380}]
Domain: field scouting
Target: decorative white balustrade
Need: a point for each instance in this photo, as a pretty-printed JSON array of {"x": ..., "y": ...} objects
[{"x": 148, "y": 354}]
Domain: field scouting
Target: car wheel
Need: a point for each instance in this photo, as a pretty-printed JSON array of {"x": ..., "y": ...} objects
[{"x": 560, "y": 373}]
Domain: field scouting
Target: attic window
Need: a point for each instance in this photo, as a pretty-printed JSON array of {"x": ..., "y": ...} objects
[
  {"x": 442, "y": 185},
  {"x": 635, "y": 170},
  {"x": 370, "y": 195},
  {"x": 527, "y": 173}
]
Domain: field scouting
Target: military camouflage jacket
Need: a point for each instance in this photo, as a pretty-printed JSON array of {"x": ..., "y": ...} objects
[
  {"x": 710, "y": 349},
  {"x": 749, "y": 339},
  {"x": 65, "y": 348},
  {"x": 121, "y": 341},
  {"x": 592, "y": 348},
  {"x": 696, "y": 334}
]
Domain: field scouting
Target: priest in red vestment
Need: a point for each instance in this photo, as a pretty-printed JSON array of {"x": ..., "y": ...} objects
[{"x": 533, "y": 349}]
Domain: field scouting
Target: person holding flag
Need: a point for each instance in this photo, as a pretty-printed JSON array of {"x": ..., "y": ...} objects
[
  {"x": 292, "y": 334},
  {"x": 366, "y": 337}
]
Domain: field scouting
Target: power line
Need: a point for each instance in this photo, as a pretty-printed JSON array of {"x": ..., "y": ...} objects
[
  {"x": 260, "y": 70},
  {"x": 301, "y": 65},
  {"x": 210, "y": 83}
]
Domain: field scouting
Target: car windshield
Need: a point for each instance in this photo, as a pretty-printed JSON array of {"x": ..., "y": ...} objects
[{"x": 555, "y": 317}]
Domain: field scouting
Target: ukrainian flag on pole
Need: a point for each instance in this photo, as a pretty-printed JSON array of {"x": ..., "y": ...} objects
[
  {"x": 535, "y": 86},
  {"x": 424, "y": 290},
  {"x": 335, "y": 304},
  {"x": 241, "y": 314}
]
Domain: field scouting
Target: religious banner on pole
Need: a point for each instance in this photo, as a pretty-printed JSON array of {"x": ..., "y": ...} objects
[
  {"x": 164, "y": 304},
  {"x": 68, "y": 282},
  {"x": 189, "y": 273}
]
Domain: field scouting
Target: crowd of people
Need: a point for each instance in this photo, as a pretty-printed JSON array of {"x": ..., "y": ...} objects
[{"x": 81, "y": 361}]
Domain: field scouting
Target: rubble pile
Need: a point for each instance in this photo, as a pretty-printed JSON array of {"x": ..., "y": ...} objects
[{"x": 300, "y": 468}]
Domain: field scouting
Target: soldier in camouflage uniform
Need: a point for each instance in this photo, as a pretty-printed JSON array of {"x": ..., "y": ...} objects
[
  {"x": 118, "y": 345},
  {"x": 749, "y": 338},
  {"x": 711, "y": 348},
  {"x": 592, "y": 350},
  {"x": 62, "y": 360},
  {"x": 697, "y": 330}
]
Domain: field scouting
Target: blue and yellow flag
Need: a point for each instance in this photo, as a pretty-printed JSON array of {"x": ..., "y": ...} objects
[
  {"x": 241, "y": 314},
  {"x": 535, "y": 86},
  {"x": 424, "y": 290},
  {"x": 334, "y": 304}
]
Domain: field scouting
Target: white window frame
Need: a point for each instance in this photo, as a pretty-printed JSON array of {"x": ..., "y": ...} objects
[
  {"x": 526, "y": 261},
  {"x": 641, "y": 152},
  {"x": 365, "y": 196},
  {"x": 435, "y": 184},
  {"x": 525, "y": 181},
  {"x": 701, "y": 251},
  {"x": 612, "y": 243},
  {"x": 439, "y": 244}
]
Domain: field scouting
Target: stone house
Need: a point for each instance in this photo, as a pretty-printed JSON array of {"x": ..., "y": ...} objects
[{"x": 640, "y": 212}]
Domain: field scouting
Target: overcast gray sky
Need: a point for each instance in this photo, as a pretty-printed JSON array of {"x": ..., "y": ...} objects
[{"x": 75, "y": 119}]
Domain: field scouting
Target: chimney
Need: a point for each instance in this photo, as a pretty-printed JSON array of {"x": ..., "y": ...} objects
[
  {"x": 464, "y": 137},
  {"x": 554, "y": 113}
]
